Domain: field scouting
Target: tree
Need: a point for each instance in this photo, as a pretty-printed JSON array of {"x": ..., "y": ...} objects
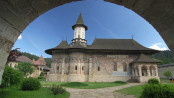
[
  {"x": 167, "y": 73},
  {"x": 11, "y": 77},
  {"x": 26, "y": 68}
]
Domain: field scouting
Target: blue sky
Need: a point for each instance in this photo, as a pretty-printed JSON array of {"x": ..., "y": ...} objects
[{"x": 104, "y": 20}]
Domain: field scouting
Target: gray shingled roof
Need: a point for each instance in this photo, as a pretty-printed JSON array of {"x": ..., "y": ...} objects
[
  {"x": 117, "y": 44},
  {"x": 23, "y": 59},
  {"x": 62, "y": 45},
  {"x": 143, "y": 59},
  {"x": 106, "y": 44},
  {"x": 77, "y": 45},
  {"x": 166, "y": 65}
]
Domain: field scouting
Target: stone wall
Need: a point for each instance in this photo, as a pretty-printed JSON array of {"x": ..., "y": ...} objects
[
  {"x": 96, "y": 67},
  {"x": 146, "y": 78},
  {"x": 85, "y": 78},
  {"x": 161, "y": 70}
]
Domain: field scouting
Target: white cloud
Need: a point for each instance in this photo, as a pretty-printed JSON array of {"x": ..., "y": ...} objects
[
  {"x": 20, "y": 37},
  {"x": 158, "y": 46}
]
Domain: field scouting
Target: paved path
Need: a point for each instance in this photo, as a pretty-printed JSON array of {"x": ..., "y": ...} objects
[{"x": 101, "y": 92}]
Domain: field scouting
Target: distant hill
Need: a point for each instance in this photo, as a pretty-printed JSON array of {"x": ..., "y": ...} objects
[
  {"x": 164, "y": 57},
  {"x": 32, "y": 56}
]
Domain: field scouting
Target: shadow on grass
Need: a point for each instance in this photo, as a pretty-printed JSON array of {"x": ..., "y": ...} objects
[
  {"x": 74, "y": 84},
  {"x": 120, "y": 82}
]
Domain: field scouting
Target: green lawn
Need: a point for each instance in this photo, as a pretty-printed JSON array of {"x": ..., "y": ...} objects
[
  {"x": 162, "y": 80},
  {"x": 85, "y": 85},
  {"x": 137, "y": 90},
  {"x": 41, "y": 93}
]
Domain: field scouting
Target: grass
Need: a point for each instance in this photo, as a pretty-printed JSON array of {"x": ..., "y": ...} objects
[
  {"x": 85, "y": 85},
  {"x": 163, "y": 80},
  {"x": 41, "y": 93},
  {"x": 137, "y": 90}
]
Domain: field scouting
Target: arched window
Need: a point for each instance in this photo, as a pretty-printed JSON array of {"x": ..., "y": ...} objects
[
  {"x": 57, "y": 67},
  {"x": 82, "y": 67},
  {"x": 98, "y": 68},
  {"x": 144, "y": 71},
  {"x": 115, "y": 66},
  {"x": 75, "y": 67},
  {"x": 124, "y": 67}
]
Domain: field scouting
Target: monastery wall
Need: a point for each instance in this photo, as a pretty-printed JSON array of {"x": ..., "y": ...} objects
[
  {"x": 161, "y": 70},
  {"x": 83, "y": 67}
]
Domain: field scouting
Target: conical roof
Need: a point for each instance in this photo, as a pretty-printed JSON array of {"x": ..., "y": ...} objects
[
  {"x": 80, "y": 23},
  {"x": 80, "y": 20},
  {"x": 143, "y": 59},
  {"x": 62, "y": 45}
]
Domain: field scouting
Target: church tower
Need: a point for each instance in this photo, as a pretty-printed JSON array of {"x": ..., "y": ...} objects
[{"x": 79, "y": 31}]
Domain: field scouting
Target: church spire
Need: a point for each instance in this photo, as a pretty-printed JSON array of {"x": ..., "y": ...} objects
[
  {"x": 80, "y": 23},
  {"x": 80, "y": 20},
  {"x": 79, "y": 31}
]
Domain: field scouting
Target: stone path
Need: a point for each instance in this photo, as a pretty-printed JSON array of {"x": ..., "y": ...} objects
[{"x": 101, "y": 92}]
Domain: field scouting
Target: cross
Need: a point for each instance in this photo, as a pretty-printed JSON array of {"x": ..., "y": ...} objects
[{"x": 132, "y": 36}]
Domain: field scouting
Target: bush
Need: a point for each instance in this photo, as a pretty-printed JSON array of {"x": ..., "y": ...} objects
[
  {"x": 31, "y": 84},
  {"x": 41, "y": 74},
  {"x": 120, "y": 82},
  {"x": 41, "y": 77},
  {"x": 57, "y": 89},
  {"x": 157, "y": 91},
  {"x": 11, "y": 77},
  {"x": 167, "y": 74},
  {"x": 153, "y": 81}
]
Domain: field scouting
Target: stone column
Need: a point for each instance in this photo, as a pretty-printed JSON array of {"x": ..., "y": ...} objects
[
  {"x": 90, "y": 70},
  {"x": 148, "y": 71},
  {"x": 133, "y": 71},
  {"x": 8, "y": 35},
  {"x": 140, "y": 71}
]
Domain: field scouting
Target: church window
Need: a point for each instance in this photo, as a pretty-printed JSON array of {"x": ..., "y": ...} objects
[
  {"x": 98, "y": 68},
  {"x": 57, "y": 67},
  {"x": 82, "y": 67},
  {"x": 124, "y": 67},
  {"x": 68, "y": 67},
  {"x": 75, "y": 67},
  {"x": 115, "y": 67}
]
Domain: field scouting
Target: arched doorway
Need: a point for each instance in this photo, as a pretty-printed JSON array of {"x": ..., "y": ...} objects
[{"x": 16, "y": 15}]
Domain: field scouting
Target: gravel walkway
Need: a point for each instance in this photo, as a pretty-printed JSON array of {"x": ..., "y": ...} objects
[{"x": 101, "y": 92}]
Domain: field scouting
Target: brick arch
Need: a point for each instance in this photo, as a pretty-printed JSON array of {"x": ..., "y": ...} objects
[{"x": 15, "y": 16}]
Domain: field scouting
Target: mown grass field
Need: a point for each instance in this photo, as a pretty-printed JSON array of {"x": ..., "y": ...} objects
[
  {"x": 137, "y": 90},
  {"x": 41, "y": 93},
  {"x": 85, "y": 85}
]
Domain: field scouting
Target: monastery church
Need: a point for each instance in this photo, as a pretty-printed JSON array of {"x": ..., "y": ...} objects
[{"x": 105, "y": 60}]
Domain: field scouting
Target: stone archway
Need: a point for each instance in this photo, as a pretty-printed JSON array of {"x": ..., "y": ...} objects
[
  {"x": 15, "y": 16},
  {"x": 144, "y": 71}
]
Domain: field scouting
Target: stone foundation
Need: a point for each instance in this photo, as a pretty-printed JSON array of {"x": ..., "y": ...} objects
[
  {"x": 85, "y": 78},
  {"x": 146, "y": 78}
]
